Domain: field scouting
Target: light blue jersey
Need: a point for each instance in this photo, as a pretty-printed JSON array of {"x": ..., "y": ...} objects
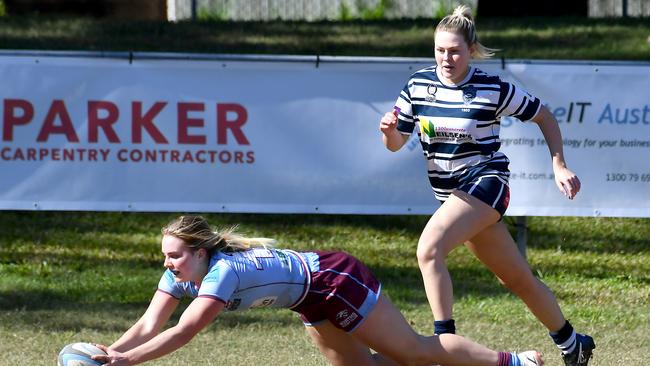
[{"x": 249, "y": 279}]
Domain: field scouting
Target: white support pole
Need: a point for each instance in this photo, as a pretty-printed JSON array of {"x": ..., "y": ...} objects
[{"x": 171, "y": 10}]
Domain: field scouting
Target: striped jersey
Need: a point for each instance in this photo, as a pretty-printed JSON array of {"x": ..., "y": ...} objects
[
  {"x": 458, "y": 124},
  {"x": 260, "y": 277}
]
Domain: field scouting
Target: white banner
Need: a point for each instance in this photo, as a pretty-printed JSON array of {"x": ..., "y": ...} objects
[
  {"x": 604, "y": 114},
  {"x": 152, "y": 132}
]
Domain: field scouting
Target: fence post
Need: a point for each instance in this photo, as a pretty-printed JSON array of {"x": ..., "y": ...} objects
[{"x": 194, "y": 10}]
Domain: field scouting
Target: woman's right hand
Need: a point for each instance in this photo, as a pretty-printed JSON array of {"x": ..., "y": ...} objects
[
  {"x": 388, "y": 123},
  {"x": 112, "y": 358},
  {"x": 392, "y": 137}
]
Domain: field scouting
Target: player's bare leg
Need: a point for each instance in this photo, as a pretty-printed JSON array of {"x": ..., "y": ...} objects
[
  {"x": 339, "y": 347},
  {"x": 458, "y": 219},
  {"x": 386, "y": 331}
]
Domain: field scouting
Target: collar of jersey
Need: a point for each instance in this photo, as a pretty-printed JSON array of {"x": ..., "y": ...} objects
[{"x": 453, "y": 85}]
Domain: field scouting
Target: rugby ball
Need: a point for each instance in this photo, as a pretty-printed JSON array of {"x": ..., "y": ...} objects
[{"x": 78, "y": 354}]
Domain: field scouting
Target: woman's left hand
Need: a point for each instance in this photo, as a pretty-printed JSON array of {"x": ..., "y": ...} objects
[
  {"x": 112, "y": 358},
  {"x": 566, "y": 181}
]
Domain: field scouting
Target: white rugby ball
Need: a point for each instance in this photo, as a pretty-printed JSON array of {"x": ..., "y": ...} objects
[{"x": 78, "y": 354}]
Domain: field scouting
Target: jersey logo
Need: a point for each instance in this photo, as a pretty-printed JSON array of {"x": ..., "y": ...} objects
[
  {"x": 342, "y": 314},
  {"x": 344, "y": 318},
  {"x": 469, "y": 93},
  {"x": 263, "y": 302},
  {"x": 427, "y": 127},
  {"x": 432, "y": 89}
]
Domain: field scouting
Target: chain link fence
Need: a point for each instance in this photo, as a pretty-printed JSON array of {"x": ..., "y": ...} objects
[
  {"x": 311, "y": 10},
  {"x": 618, "y": 8}
]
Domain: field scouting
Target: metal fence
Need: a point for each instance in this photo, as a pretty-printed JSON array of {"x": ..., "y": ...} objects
[
  {"x": 314, "y": 10},
  {"x": 310, "y": 10},
  {"x": 619, "y": 8}
]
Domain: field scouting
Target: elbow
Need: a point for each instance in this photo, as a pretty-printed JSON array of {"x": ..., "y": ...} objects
[
  {"x": 184, "y": 334},
  {"x": 148, "y": 331},
  {"x": 544, "y": 116},
  {"x": 393, "y": 148},
  {"x": 147, "y": 328},
  {"x": 394, "y": 145}
]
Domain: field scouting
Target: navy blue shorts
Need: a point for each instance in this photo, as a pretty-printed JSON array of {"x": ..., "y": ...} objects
[
  {"x": 486, "y": 181},
  {"x": 342, "y": 290},
  {"x": 490, "y": 188}
]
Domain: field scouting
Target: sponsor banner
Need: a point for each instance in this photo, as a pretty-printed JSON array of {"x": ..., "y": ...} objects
[
  {"x": 289, "y": 135},
  {"x": 604, "y": 115}
]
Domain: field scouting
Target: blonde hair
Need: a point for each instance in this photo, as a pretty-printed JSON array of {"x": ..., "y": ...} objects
[
  {"x": 461, "y": 22},
  {"x": 196, "y": 233}
]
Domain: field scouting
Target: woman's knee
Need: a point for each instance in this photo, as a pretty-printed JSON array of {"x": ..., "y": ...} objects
[
  {"x": 431, "y": 248},
  {"x": 430, "y": 253}
]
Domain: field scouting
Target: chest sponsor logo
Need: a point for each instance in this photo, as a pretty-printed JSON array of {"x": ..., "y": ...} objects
[
  {"x": 427, "y": 127},
  {"x": 442, "y": 133}
]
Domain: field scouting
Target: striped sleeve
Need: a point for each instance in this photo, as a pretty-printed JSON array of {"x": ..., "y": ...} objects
[
  {"x": 405, "y": 122},
  {"x": 516, "y": 102}
]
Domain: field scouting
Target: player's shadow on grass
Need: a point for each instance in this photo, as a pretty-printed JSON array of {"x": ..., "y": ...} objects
[
  {"x": 405, "y": 284},
  {"x": 54, "y": 312}
]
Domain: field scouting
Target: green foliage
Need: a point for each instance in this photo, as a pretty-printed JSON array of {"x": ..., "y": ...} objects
[
  {"x": 377, "y": 12},
  {"x": 344, "y": 12},
  {"x": 442, "y": 10},
  {"x": 209, "y": 15},
  {"x": 446, "y": 7},
  {"x": 3, "y": 8}
]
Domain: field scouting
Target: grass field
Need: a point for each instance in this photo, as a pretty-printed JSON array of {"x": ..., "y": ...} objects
[{"x": 72, "y": 276}]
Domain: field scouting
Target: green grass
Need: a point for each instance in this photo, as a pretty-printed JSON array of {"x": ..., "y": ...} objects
[
  {"x": 536, "y": 38},
  {"x": 69, "y": 276}
]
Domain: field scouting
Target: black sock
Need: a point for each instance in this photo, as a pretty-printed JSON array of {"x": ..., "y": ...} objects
[
  {"x": 445, "y": 326},
  {"x": 565, "y": 338}
]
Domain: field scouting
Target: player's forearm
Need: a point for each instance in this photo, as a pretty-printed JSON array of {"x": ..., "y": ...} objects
[
  {"x": 394, "y": 140},
  {"x": 553, "y": 136},
  {"x": 160, "y": 345},
  {"x": 135, "y": 336}
]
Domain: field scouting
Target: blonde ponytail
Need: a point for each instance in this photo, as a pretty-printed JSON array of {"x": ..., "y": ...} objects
[
  {"x": 236, "y": 242},
  {"x": 461, "y": 22},
  {"x": 196, "y": 233}
]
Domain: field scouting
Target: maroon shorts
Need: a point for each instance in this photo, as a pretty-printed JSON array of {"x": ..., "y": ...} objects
[{"x": 342, "y": 290}]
